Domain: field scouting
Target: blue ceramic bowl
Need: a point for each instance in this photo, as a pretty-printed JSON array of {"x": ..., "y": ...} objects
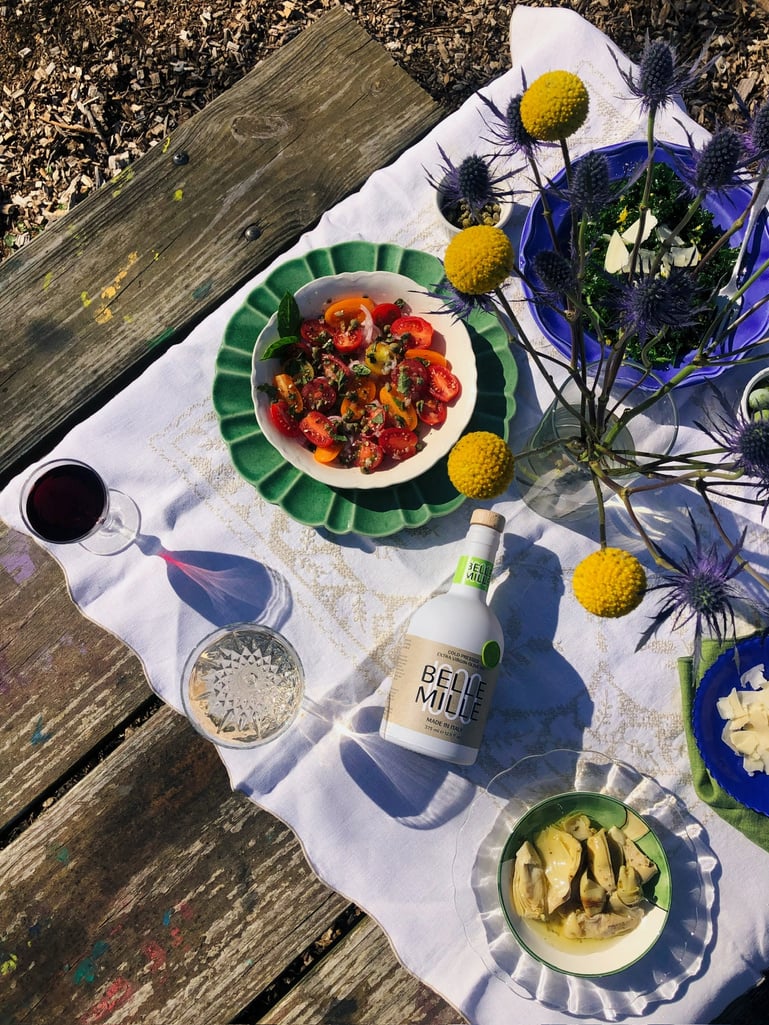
[{"x": 725, "y": 207}]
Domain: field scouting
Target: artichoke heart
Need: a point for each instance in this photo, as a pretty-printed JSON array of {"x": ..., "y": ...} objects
[
  {"x": 599, "y": 859},
  {"x": 635, "y": 858},
  {"x": 529, "y": 885},
  {"x": 579, "y": 926},
  {"x": 578, "y": 825},
  {"x": 629, "y": 886},
  {"x": 561, "y": 855},
  {"x": 592, "y": 895}
]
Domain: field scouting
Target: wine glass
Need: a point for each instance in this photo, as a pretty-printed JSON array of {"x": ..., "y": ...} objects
[{"x": 65, "y": 501}]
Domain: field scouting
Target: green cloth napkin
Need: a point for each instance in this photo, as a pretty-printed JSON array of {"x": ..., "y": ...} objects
[{"x": 751, "y": 823}]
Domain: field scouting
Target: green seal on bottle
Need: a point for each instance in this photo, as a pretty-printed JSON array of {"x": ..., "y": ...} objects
[{"x": 490, "y": 654}]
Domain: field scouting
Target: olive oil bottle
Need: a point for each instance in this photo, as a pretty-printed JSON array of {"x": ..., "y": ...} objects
[{"x": 448, "y": 663}]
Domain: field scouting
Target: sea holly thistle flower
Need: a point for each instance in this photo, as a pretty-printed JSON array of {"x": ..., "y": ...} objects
[
  {"x": 554, "y": 106},
  {"x": 460, "y": 305},
  {"x": 658, "y": 80},
  {"x": 555, "y": 274},
  {"x": 508, "y": 130},
  {"x": 470, "y": 189},
  {"x": 745, "y": 442},
  {"x": 717, "y": 162},
  {"x": 756, "y": 139},
  {"x": 701, "y": 588},
  {"x": 648, "y": 304},
  {"x": 591, "y": 187}
]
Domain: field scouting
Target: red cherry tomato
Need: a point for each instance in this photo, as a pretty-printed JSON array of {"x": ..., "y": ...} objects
[
  {"x": 443, "y": 384},
  {"x": 315, "y": 332},
  {"x": 337, "y": 372},
  {"x": 384, "y": 314},
  {"x": 417, "y": 331},
  {"x": 348, "y": 339},
  {"x": 398, "y": 443},
  {"x": 364, "y": 453},
  {"x": 432, "y": 411},
  {"x": 411, "y": 379},
  {"x": 318, "y": 429},
  {"x": 319, "y": 394},
  {"x": 373, "y": 421},
  {"x": 282, "y": 419}
]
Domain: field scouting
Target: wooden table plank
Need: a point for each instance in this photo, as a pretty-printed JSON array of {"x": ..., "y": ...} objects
[
  {"x": 157, "y": 248},
  {"x": 361, "y": 982},
  {"x": 153, "y": 887},
  {"x": 65, "y": 684}
]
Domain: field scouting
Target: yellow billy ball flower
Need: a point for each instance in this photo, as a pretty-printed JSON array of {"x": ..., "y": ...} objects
[
  {"x": 478, "y": 259},
  {"x": 554, "y": 106},
  {"x": 610, "y": 583},
  {"x": 480, "y": 465}
]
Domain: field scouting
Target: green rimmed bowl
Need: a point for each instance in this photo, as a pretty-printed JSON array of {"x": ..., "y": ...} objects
[
  {"x": 592, "y": 958},
  {"x": 375, "y": 513}
]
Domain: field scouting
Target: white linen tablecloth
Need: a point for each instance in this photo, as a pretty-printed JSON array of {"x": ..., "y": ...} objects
[{"x": 378, "y": 823}]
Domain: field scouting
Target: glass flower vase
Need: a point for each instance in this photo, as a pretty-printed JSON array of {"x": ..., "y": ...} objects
[{"x": 552, "y": 475}]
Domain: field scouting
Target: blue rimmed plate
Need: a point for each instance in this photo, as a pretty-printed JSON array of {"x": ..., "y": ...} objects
[{"x": 724, "y": 764}]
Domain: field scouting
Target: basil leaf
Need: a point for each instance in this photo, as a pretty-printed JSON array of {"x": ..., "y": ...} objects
[
  {"x": 289, "y": 317},
  {"x": 280, "y": 343}
]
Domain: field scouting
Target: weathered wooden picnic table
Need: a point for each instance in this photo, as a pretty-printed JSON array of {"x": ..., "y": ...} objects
[{"x": 134, "y": 885}]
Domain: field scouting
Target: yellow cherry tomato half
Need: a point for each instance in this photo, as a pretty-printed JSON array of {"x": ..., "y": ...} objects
[
  {"x": 428, "y": 356},
  {"x": 379, "y": 358},
  {"x": 401, "y": 413},
  {"x": 353, "y": 405},
  {"x": 287, "y": 389},
  {"x": 340, "y": 313},
  {"x": 329, "y": 453}
]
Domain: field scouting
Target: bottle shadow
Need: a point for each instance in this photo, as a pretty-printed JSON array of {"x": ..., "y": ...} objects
[{"x": 221, "y": 587}]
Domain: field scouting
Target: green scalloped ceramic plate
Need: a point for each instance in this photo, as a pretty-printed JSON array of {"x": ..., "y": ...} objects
[{"x": 372, "y": 513}]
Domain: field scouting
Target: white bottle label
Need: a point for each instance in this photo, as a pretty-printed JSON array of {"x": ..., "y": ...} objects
[{"x": 442, "y": 691}]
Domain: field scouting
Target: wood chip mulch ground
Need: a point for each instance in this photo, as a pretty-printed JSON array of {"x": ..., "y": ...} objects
[{"x": 87, "y": 87}]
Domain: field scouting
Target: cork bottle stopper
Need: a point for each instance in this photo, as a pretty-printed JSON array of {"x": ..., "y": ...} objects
[{"x": 488, "y": 518}]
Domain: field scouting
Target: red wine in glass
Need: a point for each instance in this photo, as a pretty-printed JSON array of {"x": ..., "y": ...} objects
[{"x": 66, "y": 501}]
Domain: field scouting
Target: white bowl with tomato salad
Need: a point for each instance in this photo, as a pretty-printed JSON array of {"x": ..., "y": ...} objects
[{"x": 377, "y": 388}]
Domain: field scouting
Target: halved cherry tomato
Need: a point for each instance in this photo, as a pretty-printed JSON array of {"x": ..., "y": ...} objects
[
  {"x": 432, "y": 411},
  {"x": 379, "y": 358},
  {"x": 363, "y": 453},
  {"x": 400, "y": 412},
  {"x": 348, "y": 339},
  {"x": 315, "y": 332},
  {"x": 319, "y": 394},
  {"x": 398, "y": 443},
  {"x": 341, "y": 313},
  {"x": 443, "y": 384},
  {"x": 353, "y": 405},
  {"x": 318, "y": 429},
  {"x": 287, "y": 389},
  {"x": 329, "y": 453},
  {"x": 364, "y": 389},
  {"x": 411, "y": 378},
  {"x": 427, "y": 356},
  {"x": 417, "y": 331},
  {"x": 373, "y": 421},
  {"x": 336, "y": 371},
  {"x": 283, "y": 421},
  {"x": 385, "y": 313}
]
